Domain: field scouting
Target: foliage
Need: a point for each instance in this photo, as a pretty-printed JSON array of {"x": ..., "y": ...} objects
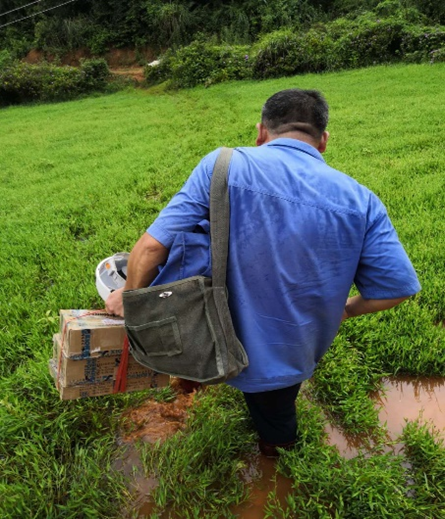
[
  {"x": 368, "y": 42},
  {"x": 423, "y": 41},
  {"x": 54, "y": 36},
  {"x": 6, "y": 59},
  {"x": 285, "y": 53},
  {"x": 165, "y": 24},
  {"x": 344, "y": 43},
  {"x": 171, "y": 22},
  {"x": 21, "y": 82},
  {"x": 201, "y": 63},
  {"x": 95, "y": 73},
  {"x": 161, "y": 71},
  {"x": 437, "y": 56},
  {"x": 281, "y": 14}
]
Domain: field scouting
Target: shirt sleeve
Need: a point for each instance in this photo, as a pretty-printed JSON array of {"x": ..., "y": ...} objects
[
  {"x": 188, "y": 207},
  {"x": 384, "y": 270}
]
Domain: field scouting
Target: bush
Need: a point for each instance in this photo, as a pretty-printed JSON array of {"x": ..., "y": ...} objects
[
  {"x": 277, "y": 54},
  {"x": 285, "y": 53},
  {"x": 95, "y": 74},
  {"x": 371, "y": 42},
  {"x": 6, "y": 59},
  {"x": 201, "y": 63},
  {"x": 21, "y": 82},
  {"x": 344, "y": 43},
  {"x": 437, "y": 56},
  {"x": 161, "y": 72},
  {"x": 423, "y": 40}
]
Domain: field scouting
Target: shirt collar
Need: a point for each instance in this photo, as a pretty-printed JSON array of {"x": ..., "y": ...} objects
[{"x": 296, "y": 144}]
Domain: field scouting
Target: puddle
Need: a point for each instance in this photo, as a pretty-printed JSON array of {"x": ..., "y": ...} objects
[
  {"x": 263, "y": 478},
  {"x": 348, "y": 446},
  {"x": 412, "y": 398},
  {"x": 403, "y": 398},
  {"x": 138, "y": 484}
]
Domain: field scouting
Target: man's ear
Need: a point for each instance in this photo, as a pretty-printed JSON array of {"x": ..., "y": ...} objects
[
  {"x": 263, "y": 134},
  {"x": 323, "y": 142}
]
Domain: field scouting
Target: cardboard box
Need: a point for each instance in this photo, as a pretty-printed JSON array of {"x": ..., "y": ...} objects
[
  {"x": 91, "y": 369},
  {"x": 88, "y": 335},
  {"x": 88, "y": 389}
]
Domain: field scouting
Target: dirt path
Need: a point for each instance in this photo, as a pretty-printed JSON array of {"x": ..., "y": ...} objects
[{"x": 136, "y": 73}]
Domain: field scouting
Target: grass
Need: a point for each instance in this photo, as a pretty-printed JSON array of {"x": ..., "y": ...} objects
[{"x": 82, "y": 180}]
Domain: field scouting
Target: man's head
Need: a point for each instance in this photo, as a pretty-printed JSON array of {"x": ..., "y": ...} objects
[{"x": 295, "y": 113}]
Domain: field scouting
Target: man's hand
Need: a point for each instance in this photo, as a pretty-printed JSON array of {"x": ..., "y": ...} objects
[
  {"x": 142, "y": 269},
  {"x": 114, "y": 303}
]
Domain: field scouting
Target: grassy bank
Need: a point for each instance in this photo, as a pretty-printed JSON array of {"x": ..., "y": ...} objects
[{"x": 82, "y": 180}]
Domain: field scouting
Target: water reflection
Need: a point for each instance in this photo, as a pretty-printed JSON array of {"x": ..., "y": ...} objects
[
  {"x": 410, "y": 398},
  {"x": 261, "y": 474},
  {"x": 402, "y": 398}
]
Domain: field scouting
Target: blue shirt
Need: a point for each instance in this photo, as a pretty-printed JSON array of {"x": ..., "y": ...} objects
[{"x": 301, "y": 233}]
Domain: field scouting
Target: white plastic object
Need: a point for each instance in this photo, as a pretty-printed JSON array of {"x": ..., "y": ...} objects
[{"x": 111, "y": 274}]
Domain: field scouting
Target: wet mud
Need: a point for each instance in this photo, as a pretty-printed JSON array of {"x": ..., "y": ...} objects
[
  {"x": 156, "y": 421},
  {"x": 402, "y": 399}
]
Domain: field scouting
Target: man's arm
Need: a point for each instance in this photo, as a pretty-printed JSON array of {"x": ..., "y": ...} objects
[
  {"x": 357, "y": 305},
  {"x": 142, "y": 269}
]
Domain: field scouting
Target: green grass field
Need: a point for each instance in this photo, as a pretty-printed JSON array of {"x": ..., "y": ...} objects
[{"x": 82, "y": 180}]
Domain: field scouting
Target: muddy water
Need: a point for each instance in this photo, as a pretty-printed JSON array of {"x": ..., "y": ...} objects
[
  {"x": 408, "y": 398},
  {"x": 262, "y": 477},
  {"x": 403, "y": 398},
  {"x": 139, "y": 485},
  {"x": 151, "y": 422}
]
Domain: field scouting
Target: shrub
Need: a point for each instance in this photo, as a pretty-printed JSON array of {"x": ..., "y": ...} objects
[
  {"x": 162, "y": 71},
  {"x": 201, "y": 63},
  {"x": 277, "y": 54},
  {"x": 21, "y": 82},
  {"x": 283, "y": 53},
  {"x": 370, "y": 42},
  {"x": 95, "y": 74},
  {"x": 437, "y": 56},
  {"x": 344, "y": 43},
  {"x": 6, "y": 59},
  {"x": 423, "y": 39}
]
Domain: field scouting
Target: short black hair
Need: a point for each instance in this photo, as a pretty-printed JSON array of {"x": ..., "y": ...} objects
[{"x": 296, "y": 110}]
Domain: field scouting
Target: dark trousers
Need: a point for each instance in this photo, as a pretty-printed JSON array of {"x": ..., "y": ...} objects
[{"x": 274, "y": 414}]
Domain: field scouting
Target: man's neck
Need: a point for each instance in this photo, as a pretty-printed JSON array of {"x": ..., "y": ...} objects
[{"x": 299, "y": 136}]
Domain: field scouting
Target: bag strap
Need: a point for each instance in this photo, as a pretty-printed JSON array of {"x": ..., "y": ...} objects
[{"x": 220, "y": 217}]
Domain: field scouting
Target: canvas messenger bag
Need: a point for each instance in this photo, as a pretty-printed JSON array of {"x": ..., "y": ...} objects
[{"x": 184, "y": 328}]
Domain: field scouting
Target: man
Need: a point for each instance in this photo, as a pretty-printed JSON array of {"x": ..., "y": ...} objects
[{"x": 301, "y": 233}]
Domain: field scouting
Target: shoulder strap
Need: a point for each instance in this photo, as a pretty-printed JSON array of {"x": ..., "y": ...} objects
[{"x": 220, "y": 217}]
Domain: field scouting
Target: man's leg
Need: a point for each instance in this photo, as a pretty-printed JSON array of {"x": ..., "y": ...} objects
[{"x": 274, "y": 416}]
